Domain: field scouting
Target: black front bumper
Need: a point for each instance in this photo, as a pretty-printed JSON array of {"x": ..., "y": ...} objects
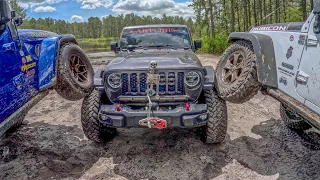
[{"x": 178, "y": 117}]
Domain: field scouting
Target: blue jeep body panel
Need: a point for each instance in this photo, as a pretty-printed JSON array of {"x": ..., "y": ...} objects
[
  {"x": 28, "y": 66},
  {"x": 48, "y": 45}
]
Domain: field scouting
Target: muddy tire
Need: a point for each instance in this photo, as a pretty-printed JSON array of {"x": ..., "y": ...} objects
[
  {"x": 312, "y": 138},
  {"x": 216, "y": 129},
  {"x": 75, "y": 73},
  {"x": 236, "y": 73},
  {"x": 91, "y": 125},
  {"x": 17, "y": 124},
  {"x": 292, "y": 120}
]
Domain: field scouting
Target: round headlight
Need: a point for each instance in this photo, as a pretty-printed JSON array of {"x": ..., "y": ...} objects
[
  {"x": 192, "y": 79},
  {"x": 114, "y": 80}
]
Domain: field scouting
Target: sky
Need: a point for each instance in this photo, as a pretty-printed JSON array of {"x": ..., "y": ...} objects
[{"x": 81, "y": 10}]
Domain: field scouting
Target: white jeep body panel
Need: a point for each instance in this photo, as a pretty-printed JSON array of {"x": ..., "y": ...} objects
[
  {"x": 297, "y": 55},
  {"x": 310, "y": 70}
]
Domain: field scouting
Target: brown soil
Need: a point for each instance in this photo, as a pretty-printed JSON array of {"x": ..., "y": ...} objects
[{"x": 52, "y": 146}]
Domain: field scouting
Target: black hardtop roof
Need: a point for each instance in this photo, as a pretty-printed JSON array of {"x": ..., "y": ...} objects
[{"x": 156, "y": 25}]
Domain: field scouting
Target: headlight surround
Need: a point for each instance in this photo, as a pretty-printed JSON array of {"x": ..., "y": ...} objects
[
  {"x": 114, "y": 80},
  {"x": 192, "y": 79}
]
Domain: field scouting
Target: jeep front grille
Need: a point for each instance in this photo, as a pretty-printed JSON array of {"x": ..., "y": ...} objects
[{"x": 135, "y": 84}]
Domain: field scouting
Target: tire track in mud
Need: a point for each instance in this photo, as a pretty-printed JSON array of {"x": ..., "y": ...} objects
[{"x": 259, "y": 146}]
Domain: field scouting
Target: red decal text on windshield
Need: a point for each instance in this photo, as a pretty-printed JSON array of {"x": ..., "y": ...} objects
[{"x": 153, "y": 30}]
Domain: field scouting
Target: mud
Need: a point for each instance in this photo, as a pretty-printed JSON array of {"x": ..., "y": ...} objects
[{"x": 52, "y": 146}]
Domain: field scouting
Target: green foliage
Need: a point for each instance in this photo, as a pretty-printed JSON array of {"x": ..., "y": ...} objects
[
  {"x": 294, "y": 14},
  {"x": 216, "y": 46},
  {"x": 214, "y": 20}
]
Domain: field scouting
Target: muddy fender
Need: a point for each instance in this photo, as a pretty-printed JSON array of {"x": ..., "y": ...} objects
[{"x": 264, "y": 50}]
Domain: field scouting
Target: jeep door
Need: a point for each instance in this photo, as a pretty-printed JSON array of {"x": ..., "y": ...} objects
[
  {"x": 13, "y": 93},
  {"x": 308, "y": 75}
]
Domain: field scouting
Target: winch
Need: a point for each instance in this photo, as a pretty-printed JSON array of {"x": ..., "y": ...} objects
[
  {"x": 152, "y": 122},
  {"x": 153, "y": 79}
]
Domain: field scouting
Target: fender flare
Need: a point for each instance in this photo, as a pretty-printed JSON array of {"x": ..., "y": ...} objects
[
  {"x": 49, "y": 78},
  {"x": 264, "y": 49},
  {"x": 65, "y": 38}
]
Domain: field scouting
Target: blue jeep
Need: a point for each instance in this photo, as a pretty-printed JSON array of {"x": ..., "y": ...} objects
[{"x": 34, "y": 62}]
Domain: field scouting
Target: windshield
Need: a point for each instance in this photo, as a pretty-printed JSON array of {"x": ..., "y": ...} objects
[
  {"x": 4, "y": 13},
  {"x": 155, "y": 37}
]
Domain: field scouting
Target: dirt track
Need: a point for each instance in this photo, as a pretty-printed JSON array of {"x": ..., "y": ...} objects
[{"x": 259, "y": 146}]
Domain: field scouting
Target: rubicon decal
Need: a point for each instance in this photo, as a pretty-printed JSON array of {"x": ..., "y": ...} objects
[{"x": 270, "y": 28}]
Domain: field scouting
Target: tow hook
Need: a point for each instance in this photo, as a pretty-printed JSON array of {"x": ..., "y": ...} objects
[
  {"x": 160, "y": 124},
  {"x": 154, "y": 122}
]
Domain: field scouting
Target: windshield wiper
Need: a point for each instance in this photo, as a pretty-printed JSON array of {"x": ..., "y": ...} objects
[
  {"x": 161, "y": 46},
  {"x": 132, "y": 47}
]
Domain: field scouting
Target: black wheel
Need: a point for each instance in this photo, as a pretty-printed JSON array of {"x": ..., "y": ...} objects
[
  {"x": 17, "y": 124},
  {"x": 292, "y": 119},
  {"x": 91, "y": 125},
  {"x": 312, "y": 138},
  {"x": 236, "y": 74},
  {"x": 75, "y": 73},
  {"x": 216, "y": 129}
]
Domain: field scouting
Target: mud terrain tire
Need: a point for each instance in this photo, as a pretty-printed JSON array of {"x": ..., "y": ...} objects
[
  {"x": 75, "y": 73},
  {"x": 216, "y": 129},
  {"x": 91, "y": 125},
  {"x": 236, "y": 73},
  {"x": 292, "y": 120},
  {"x": 17, "y": 124}
]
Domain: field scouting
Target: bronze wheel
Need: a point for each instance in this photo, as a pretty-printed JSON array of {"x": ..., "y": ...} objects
[
  {"x": 79, "y": 69},
  {"x": 233, "y": 67},
  {"x": 75, "y": 73},
  {"x": 236, "y": 74}
]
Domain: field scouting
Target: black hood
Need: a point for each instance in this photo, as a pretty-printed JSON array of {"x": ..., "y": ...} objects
[{"x": 166, "y": 59}]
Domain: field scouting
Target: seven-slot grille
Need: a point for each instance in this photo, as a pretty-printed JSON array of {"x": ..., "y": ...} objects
[{"x": 135, "y": 84}]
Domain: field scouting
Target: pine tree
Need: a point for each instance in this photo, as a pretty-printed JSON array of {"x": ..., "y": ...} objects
[{"x": 21, "y": 12}]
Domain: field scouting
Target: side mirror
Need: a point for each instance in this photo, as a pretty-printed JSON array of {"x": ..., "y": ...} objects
[
  {"x": 13, "y": 14},
  {"x": 316, "y": 5},
  {"x": 113, "y": 46},
  {"x": 18, "y": 21},
  {"x": 197, "y": 44}
]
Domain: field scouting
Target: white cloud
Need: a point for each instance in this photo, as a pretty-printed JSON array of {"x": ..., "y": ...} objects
[
  {"x": 93, "y": 4},
  {"x": 76, "y": 18},
  {"x": 33, "y": 3},
  {"x": 154, "y": 8},
  {"x": 144, "y": 5},
  {"x": 45, "y": 9}
]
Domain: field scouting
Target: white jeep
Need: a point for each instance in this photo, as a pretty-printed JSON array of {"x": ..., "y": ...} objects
[{"x": 283, "y": 61}]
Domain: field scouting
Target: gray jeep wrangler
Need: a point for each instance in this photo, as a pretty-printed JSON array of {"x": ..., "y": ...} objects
[
  {"x": 155, "y": 81},
  {"x": 281, "y": 60}
]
